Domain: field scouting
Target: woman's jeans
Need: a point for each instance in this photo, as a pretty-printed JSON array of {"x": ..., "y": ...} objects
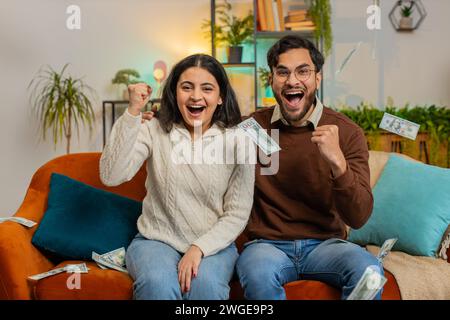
[
  {"x": 265, "y": 265},
  {"x": 153, "y": 265}
]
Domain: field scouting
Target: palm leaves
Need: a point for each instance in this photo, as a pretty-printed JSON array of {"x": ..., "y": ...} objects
[{"x": 60, "y": 102}]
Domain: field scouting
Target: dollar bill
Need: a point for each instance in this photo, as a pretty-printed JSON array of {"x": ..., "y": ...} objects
[
  {"x": 369, "y": 285},
  {"x": 76, "y": 268},
  {"x": 259, "y": 136},
  {"x": 386, "y": 248},
  {"x": 399, "y": 126},
  {"x": 25, "y": 222},
  {"x": 69, "y": 268},
  {"x": 47, "y": 274},
  {"x": 116, "y": 257},
  {"x": 101, "y": 266},
  {"x": 100, "y": 260}
]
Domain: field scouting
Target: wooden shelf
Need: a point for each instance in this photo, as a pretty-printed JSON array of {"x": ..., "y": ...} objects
[
  {"x": 239, "y": 65},
  {"x": 280, "y": 34}
]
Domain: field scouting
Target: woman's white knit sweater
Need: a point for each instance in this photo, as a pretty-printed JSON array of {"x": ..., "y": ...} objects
[{"x": 187, "y": 202}]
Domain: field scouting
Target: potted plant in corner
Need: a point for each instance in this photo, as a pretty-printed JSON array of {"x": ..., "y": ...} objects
[
  {"x": 61, "y": 102},
  {"x": 406, "y": 21},
  {"x": 126, "y": 77},
  {"x": 231, "y": 31}
]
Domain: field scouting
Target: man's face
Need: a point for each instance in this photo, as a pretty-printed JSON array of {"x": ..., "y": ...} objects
[{"x": 294, "y": 90}]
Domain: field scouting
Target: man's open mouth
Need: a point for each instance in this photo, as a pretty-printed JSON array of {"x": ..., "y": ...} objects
[
  {"x": 195, "y": 110},
  {"x": 293, "y": 97}
]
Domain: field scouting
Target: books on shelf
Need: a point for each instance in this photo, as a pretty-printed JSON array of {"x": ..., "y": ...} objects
[
  {"x": 298, "y": 19},
  {"x": 300, "y": 25},
  {"x": 270, "y": 15},
  {"x": 296, "y": 15},
  {"x": 261, "y": 15}
]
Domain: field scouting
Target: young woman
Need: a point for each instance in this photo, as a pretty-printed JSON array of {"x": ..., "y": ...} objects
[{"x": 193, "y": 211}]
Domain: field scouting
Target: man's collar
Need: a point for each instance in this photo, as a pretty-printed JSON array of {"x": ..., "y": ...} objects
[{"x": 313, "y": 118}]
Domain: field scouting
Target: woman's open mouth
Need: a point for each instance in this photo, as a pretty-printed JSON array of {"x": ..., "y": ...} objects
[
  {"x": 293, "y": 97},
  {"x": 195, "y": 110}
]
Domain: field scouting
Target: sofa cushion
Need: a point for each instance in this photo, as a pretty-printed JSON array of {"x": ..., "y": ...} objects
[
  {"x": 80, "y": 219},
  {"x": 97, "y": 284},
  {"x": 411, "y": 202}
]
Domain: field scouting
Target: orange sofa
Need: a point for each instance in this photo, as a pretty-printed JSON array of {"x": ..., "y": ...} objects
[{"x": 20, "y": 259}]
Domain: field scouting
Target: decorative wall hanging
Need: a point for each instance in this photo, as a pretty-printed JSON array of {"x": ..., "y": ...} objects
[{"x": 407, "y": 15}]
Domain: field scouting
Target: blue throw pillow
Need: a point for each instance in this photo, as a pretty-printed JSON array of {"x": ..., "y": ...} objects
[
  {"x": 411, "y": 203},
  {"x": 81, "y": 219}
]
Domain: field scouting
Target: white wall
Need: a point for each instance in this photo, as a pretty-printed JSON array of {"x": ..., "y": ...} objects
[
  {"x": 409, "y": 67},
  {"x": 115, "y": 34}
]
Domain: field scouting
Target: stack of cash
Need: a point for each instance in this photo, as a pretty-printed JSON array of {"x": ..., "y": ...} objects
[
  {"x": 372, "y": 281},
  {"x": 114, "y": 260},
  {"x": 70, "y": 268},
  {"x": 369, "y": 285},
  {"x": 22, "y": 221}
]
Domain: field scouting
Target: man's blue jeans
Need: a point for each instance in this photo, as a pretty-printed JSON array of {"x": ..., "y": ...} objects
[
  {"x": 153, "y": 265},
  {"x": 265, "y": 265}
]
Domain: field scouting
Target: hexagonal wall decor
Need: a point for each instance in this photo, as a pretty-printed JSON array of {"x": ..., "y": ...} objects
[{"x": 407, "y": 15}]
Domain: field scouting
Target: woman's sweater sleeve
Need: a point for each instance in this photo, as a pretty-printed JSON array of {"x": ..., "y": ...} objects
[{"x": 129, "y": 145}]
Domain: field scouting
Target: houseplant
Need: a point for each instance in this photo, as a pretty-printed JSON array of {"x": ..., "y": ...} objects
[
  {"x": 230, "y": 31},
  {"x": 320, "y": 12},
  {"x": 61, "y": 102},
  {"x": 264, "y": 78},
  {"x": 406, "y": 21},
  {"x": 126, "y": 77},
  {"x": 434, "y": 124}
]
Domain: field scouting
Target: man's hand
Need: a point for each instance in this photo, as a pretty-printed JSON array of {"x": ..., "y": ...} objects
[
  {"x": 327, "y": 139},
  {"x": 148, "y": 115},
  {"x": 188, "y": 267},
  {"x": 139, "y": 96}
]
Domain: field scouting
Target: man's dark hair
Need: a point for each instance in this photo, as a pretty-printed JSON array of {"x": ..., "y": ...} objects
[
  {"x": 226, "y": 115},
  {"x": 294, "y": 42}
]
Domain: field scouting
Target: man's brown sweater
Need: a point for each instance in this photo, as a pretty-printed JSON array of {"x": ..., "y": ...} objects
[{"x": 303, "y": 200}]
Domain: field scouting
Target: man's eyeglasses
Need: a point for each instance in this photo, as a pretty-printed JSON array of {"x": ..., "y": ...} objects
[{"x": 301, "y": 73}]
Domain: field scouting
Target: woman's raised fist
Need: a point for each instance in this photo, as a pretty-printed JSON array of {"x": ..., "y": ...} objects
[{"x": 139, "y": 96}]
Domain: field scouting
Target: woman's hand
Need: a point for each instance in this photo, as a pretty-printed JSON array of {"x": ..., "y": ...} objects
[
  {"x": 139, "y": 96},
  {"x": 188, "y": 267}
]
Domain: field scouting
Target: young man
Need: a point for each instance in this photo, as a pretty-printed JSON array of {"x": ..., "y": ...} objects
[{"x": 298, "y": 222}]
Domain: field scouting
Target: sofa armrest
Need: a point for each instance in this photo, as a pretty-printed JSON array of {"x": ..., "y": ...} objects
[
  {"x": 18, "y": 257},
  {"x": 18, "y": 260}
]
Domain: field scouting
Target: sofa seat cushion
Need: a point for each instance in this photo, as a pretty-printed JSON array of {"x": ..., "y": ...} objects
[
  {"x": 97, "y": 284},
  {"x": 316, "y": 290}
]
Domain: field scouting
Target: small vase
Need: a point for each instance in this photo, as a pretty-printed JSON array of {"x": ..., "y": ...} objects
[
  {"x": 234, "y": 54},
  {"x": 406, "y": 23}
]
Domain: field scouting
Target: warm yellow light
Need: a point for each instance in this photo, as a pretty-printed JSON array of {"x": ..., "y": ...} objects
[{"x": 158, "y": 74}]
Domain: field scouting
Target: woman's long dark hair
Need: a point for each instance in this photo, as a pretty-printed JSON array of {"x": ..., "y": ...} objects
[{"x": 226, "y": 115}]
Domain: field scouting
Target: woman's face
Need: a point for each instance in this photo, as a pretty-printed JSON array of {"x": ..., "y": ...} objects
[{"x": 198, "y": 95}]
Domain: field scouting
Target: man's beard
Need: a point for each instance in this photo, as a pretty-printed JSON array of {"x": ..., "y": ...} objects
[{"x": 308, "y": 104}]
